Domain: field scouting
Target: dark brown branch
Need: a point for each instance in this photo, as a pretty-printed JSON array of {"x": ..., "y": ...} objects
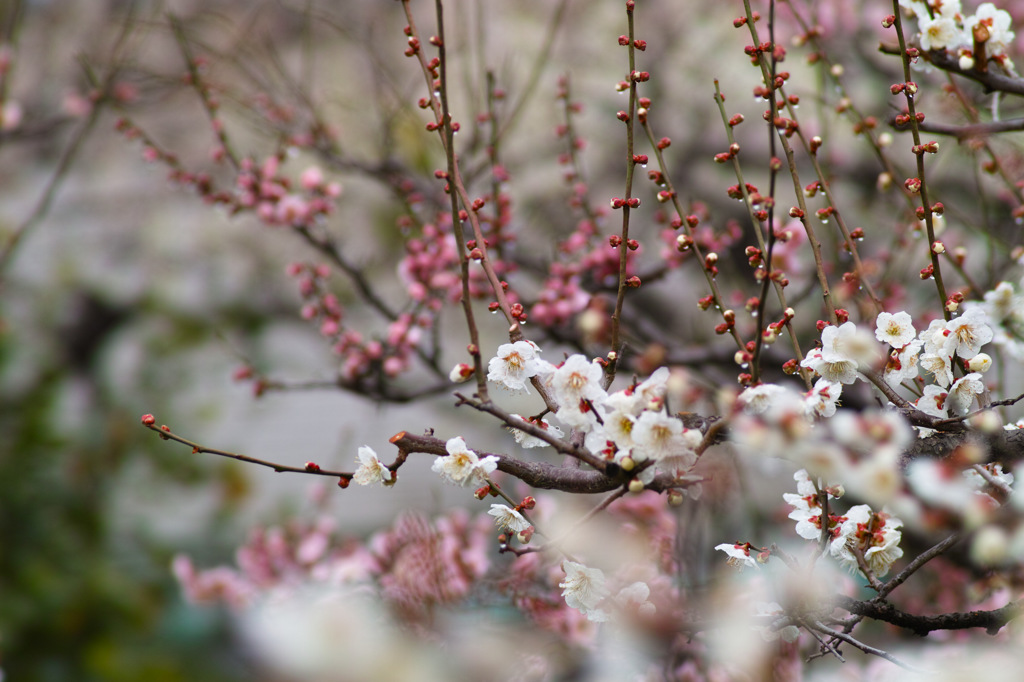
[
  {"x": 993, "y": 81},
  {"x": 992, "y": 621},
  {"x": 313, "y": 470},
  {"x": 966, "y": 131},
  {"x": 539, "y": 474}
]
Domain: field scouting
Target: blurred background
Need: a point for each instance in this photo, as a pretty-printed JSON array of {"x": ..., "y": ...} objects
[{"x": 122, "y": 293}]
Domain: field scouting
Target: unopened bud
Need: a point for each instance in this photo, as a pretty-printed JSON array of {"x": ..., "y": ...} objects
[{"x": 981, "y": 362}]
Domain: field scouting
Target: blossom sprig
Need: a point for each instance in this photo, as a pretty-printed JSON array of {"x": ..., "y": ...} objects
[
  {"x": 875, "y": 536},
  {"x": 462, "y": 466},
  {"x": 973, "y": 39},
  {"x": 739, "y": 554},
  {"x": 164, "y": 431}
]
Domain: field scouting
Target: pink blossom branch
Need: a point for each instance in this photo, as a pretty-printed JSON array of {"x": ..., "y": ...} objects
[
  {"x": 104, "y": 86},
  {"x": 203, "y": 90}
]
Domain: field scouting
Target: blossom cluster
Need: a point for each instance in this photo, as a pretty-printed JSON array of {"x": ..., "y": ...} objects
[{"x": 943, "y": 26}]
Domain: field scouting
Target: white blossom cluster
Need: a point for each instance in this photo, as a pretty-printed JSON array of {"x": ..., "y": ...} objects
[
  {"x": 848, "y": 350},
  {"x": 944, "y": 26},
  {"x": 873, "y": 535},
  {"x": 629, "y": 427}
]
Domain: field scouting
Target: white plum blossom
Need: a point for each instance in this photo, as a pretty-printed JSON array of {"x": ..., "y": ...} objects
[
  {"x": 508, "y": 518},
  {"x": 847, "y": 342},
  {"x": 618, "y": 427},
  {"x": 658, "y": 436},
  {"x": 583, "y": 589},
  {"x": 875, "y": 534},
  {"x": 528, "y": 441},
  {"x": 969, "y": 332},
  {"x": 940, "y": 33},
  {"x": 461, "y": 465},
  {"x": 937, "y": 339},
  {"x": 371, "y": 469},
  {"x": 933, "y": 403},
  {"x": 939, "y": 366},
  {"x": 836, "y": 371},
  {"x": 897, "y": 329},
  {"x": 514, "y": 364},
  {"x": 996, "y": 23},
  {"x": 806, "y": 505},
  {"x": 962, "y": 392},
  {"x": 574, "y": 384},
  {"x": 821, "y": 400},
  {"x": 916, "y": 8},
  {"x": 903, "y": 364},
  {"x": 739, "y": 554},
  {"x": 1003, "y": 304},
  {"x": 757, "y": 399},
  {"x": 651, "y": 391}
]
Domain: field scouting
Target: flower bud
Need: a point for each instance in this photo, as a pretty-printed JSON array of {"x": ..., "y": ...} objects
[{"x": 981, "y": 362}]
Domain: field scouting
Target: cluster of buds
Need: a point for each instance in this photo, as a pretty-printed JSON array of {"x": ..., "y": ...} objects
[
  {"x": 632, "y": 202},
  {"x": 725, "y": 157},
  {"x": 903, "y": 119}
]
